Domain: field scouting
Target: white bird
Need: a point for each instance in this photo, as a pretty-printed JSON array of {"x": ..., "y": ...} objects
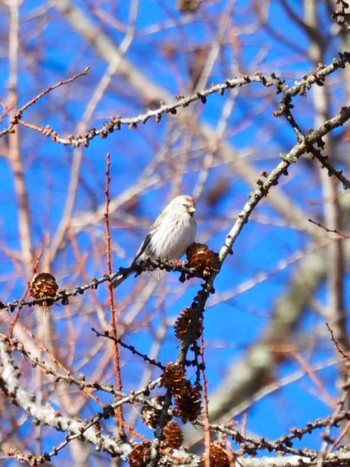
[{"x": 171, "y": 234}]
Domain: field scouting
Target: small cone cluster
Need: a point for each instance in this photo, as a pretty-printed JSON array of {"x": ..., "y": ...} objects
[{"x": 187, "y": 397}]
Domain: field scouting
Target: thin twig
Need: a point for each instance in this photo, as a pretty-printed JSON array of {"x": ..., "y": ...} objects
[{"x": 115, "y": 313}]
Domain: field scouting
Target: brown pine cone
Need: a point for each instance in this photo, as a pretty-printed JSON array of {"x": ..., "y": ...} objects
[
  {"x": 44, "y": 285},
  {"x": 204, "y": 260},
  {"x": 172, "y": 435},
  {"x": 189, "y": 6},
  {"x": 188, "y": 325},
  {"x": 218, "y": 456},
  {"x": 188, "y": 403},
  {"x": 140, "y": 455},
  {"x": 173, "y": 377}
]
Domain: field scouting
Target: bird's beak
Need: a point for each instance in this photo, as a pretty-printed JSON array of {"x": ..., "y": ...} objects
[{"x": 191, "y": 209}]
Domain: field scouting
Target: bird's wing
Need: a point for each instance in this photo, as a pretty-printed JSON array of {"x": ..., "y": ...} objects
[
  {"x": 154, "y": 227},
  {"x": 143, "y": 246}
]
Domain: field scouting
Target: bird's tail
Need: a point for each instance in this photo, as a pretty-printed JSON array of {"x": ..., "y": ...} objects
[{"x": 122, "y": 277}]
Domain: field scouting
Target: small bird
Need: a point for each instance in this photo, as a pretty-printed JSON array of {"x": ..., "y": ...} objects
[{"x": 171, "y": 234}]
